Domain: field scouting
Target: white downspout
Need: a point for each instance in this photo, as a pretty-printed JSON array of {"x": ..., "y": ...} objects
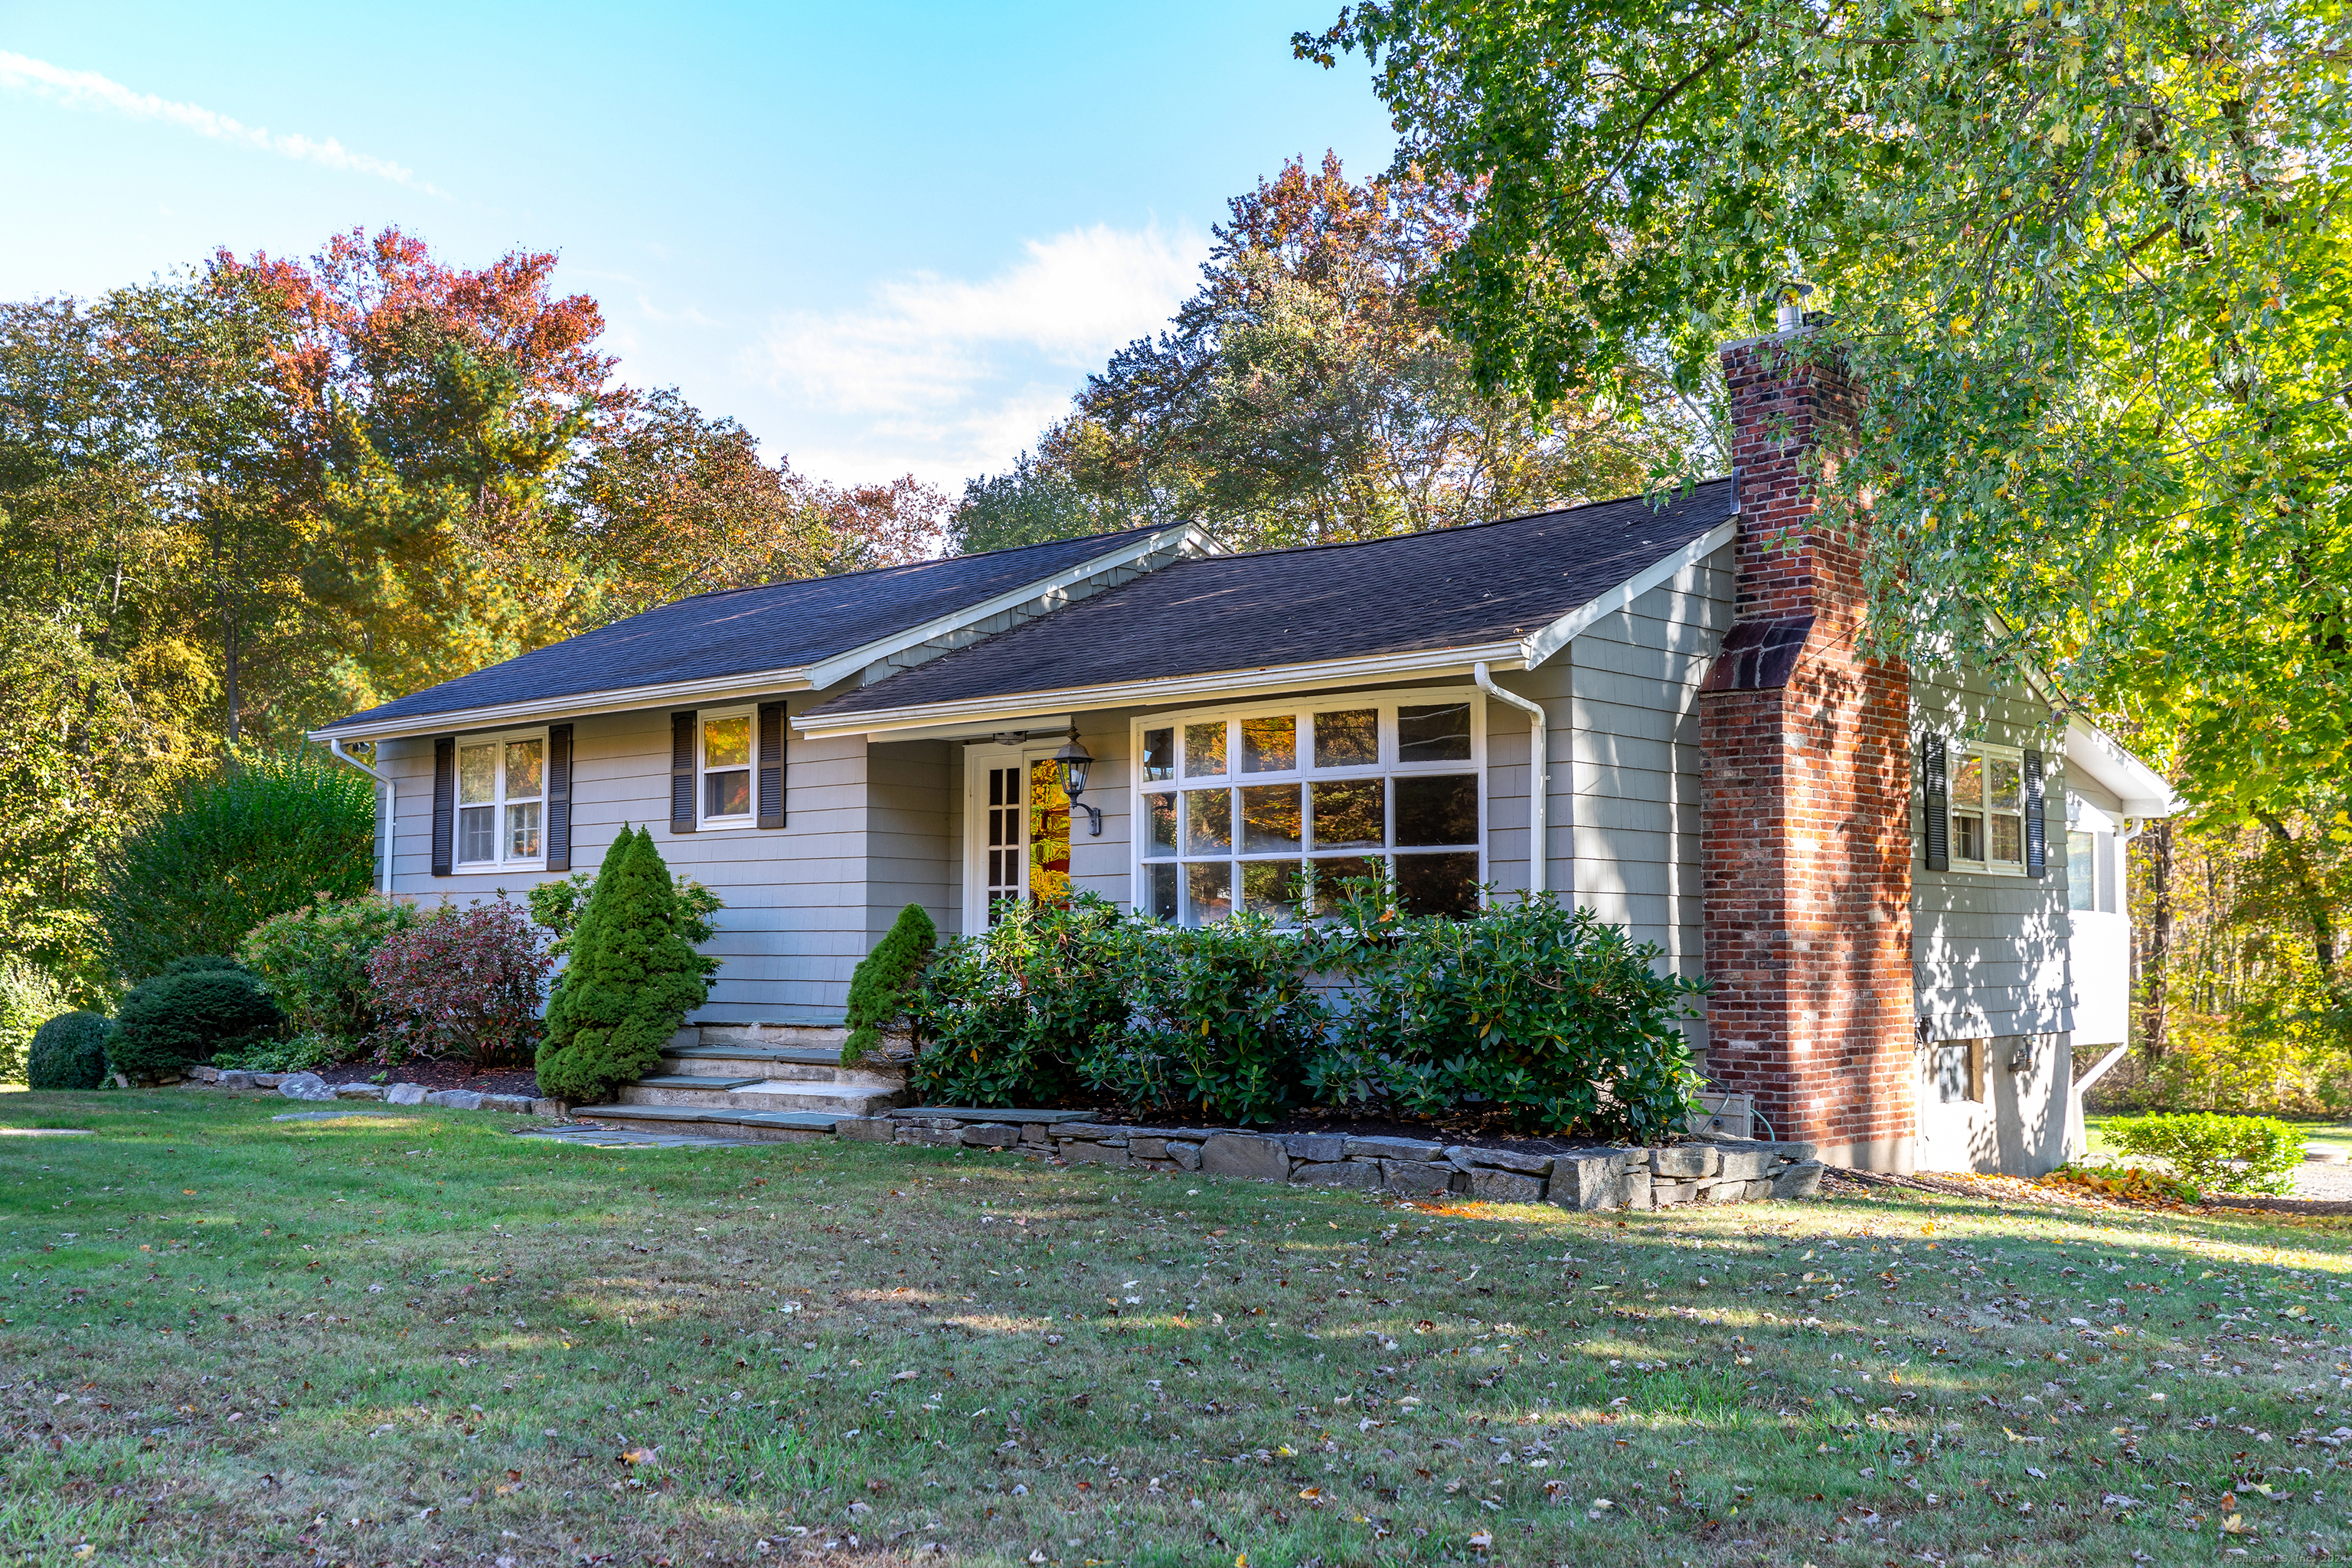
[
  {"x": 1538, "y": 770},
  {"x": 391, "y": 798}
]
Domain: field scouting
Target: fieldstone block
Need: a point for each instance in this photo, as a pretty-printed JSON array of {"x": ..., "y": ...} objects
[
  {"x": 864, "y": 1129},
  {"x": 204, "y": 1074},
  {"x": 1317, "y": 1146},
  {"x": 992, "y": 1134},
  {"x": 456, "y": 1099},
  {"x": 1092, "y": 1132},
  {"x": 304, "y": 1086},
  {"x": 1505, "y": 1187},
  {"x": 1241, "y": 1154},
  {"x": 1359, "y": 1173},
  {"x": 236, "y": 1077},
  {"x": 1746, "y": 1161},
  {"x": 270, "y": 1079},
  {"x": 1796, "y": 1149},
  {"x": 1146, "y": 1148},
  {"x": 1466, "y": 1157},
  {"x": 1082, "y": 1153},
  {"x": 1635, "y": 1193},
  {"x": 1758, "y": 1190},
  {"x": 1034, "y": 1132},
  {"x": 550, "y": 1108},
  {"x": 359, "y": 1091},
  {"x": 1186, "y": 1156},
  {"x": 1724, "y": 1190},
  {"x": 1589, "y": 1179},
  {"x": 1802, "y": 1180},
  {"x": 1686, "y": 1161},
  {"x": 1416, "y": 1178},
  {"x": 512, "y": 1104},
  {"x": 404, "y": 1094},
  {"x": 931, "y": 1137},
  {"x": 1665, "y": 1192},
  {"x": 1412, "y": 1149}
]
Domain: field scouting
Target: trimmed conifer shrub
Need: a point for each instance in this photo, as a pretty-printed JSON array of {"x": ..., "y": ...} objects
[
  {"x": 69, "y": 1052},
  {"x": 178, "y": 1020},
  {"x": 884, "y": 982},
  {"x": 632, "y": 979}
]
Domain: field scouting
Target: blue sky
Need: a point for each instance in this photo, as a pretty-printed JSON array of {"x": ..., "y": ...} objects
[{"x": 885, "y": 238}]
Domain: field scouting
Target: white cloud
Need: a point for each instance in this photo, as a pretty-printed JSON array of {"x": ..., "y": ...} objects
[
  {"x": 87, "y": 89},
  {"x": 949, "y": 377}
]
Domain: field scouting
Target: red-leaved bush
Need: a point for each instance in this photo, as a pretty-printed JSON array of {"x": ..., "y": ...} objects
[{"x": 461, "y": 982}]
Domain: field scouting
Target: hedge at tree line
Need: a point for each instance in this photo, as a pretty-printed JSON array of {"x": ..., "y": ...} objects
[
  {"x": 631, "y": 978},
  {"x": 1547, "y": 1016},
  {"x": 270, "y": 832}
]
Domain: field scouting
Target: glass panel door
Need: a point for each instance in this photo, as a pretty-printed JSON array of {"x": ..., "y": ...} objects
[
  {"x": 1004, "y": 859},
  {"x": 1049, "y": 834}
]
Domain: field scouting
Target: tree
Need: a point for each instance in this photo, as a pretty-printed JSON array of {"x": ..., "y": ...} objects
[
  {"x": 1306, "y": 393},
  {"x": 632, "y": 979},
  {"x": 2090, "y": 261}
]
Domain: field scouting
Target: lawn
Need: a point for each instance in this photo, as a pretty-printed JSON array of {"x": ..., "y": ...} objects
[{"x": 413, "y": 1337}]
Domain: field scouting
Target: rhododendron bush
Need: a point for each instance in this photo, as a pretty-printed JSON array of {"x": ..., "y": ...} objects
[{"x": 461, "y": 982}]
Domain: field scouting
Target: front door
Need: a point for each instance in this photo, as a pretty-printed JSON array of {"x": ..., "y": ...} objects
[{"x": 1016, "y": 830}]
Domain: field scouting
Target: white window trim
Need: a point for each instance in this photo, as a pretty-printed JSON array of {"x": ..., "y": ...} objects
[
  {"x": 704, "y": 822},
  {"x": 1955, "y": 752},
  {"x": 1301, "y": 708},
  {"x": 497, "y": 740}
]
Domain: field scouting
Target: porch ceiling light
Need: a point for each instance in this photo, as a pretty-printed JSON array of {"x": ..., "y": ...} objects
[{"x": 1073, "y": 760}]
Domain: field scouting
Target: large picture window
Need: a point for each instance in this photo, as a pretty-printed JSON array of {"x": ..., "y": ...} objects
[
  {"x": 502, "y": 801},
  {"x": 1250, "y": 808}
]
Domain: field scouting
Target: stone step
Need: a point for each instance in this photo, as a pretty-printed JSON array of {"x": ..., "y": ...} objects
[
  {"x": 774, "y": 1094},
  {"x": 765, "y": 1034},
  {"x": 694, "y": 1081},
  {"x": 765, "y": 1126},
  {"x": 801, "y": 1064}
]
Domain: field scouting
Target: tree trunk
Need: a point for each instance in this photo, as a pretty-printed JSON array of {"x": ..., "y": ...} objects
[
  {"x": 2315, "y": 906},
  {"x": 2154, "y": 952}
]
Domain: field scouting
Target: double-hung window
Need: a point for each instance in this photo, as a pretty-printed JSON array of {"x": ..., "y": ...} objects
[
  {"x": 1988, "y": 794},
  {"x": 1249, "y": 808},
  {"x": 502, "y": 801},
  {"x": 726, "y": 767}
]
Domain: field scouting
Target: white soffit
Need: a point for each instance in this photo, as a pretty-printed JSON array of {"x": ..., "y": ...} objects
[
  {"x": 2142, "y": 791},
  {"x": 716, "y": 690}
]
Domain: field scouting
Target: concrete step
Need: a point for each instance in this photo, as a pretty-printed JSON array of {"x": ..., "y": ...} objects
[
  {"x": 763, "y": 1126},
  {"x": 774, "y": 1094},
  {"x": 694, "y": 1081},
  {"x": 765, "y": 1034},
  {"x": 791, "y": 1065}
]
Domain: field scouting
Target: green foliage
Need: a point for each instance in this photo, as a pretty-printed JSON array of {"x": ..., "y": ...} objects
[
  {"x": 1227, "y": 1020},
  {"x": 2091, "y": 262},
  {"x": 297, "y": 1053},
  {"x": 1033, "y": 502},
  {"x": 29, "y": 997},
  {"x": 556, "y": 907},
  {"x": 1546, "y": 1011},
  {"x": 2231, "y": 1153},
  {"x": 313, "y": 963},
  {"x": 632, "y": 979},
  {"x": 69, "y": 1052},
  {"x": 1005, "y": 1017},
  {"x": 174, "y": 1021},
  {"x": 880, "y": 989},
  {"x": 269, "y": 833}
]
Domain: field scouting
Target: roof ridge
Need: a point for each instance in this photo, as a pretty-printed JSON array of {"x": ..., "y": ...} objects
[{"x": 903, "y": 565}]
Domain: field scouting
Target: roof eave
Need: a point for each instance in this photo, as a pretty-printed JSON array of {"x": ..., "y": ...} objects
[
  {"x": 2142, "y": 791},
  {"x": 621, "y": 700}
]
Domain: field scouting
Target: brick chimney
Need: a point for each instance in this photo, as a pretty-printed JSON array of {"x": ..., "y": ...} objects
[{"x": 1807, "y": 800}]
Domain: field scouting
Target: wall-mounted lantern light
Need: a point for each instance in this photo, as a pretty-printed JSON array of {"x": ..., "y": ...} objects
[{"x": 1073, "y": 760}]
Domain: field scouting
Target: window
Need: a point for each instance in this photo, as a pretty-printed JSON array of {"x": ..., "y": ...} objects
[
  {"x": 2093, "y": 863},
  {"x": 1249, "y": 808},
  {"x": 1987, "y": 797},
  {"x": 501, "y": 801},
  {"x": 726, "y": 791},
  {"x": 1955, "y": 1072}
]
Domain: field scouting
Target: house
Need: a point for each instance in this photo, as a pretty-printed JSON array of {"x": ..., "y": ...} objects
[{"x": 1906, "y": 888}]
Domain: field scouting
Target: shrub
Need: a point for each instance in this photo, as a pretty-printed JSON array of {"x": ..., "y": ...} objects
[
  {"x": 2231, "y": 1153},
  {"x": 1006, "y": 1017},
  {"x": 29, "y": 997},
  {"x": 69, "y": 1052},
  {"x": 224, "y": 852},
  {"x": 1227, "y": 1020},
  {"x": 555, "y": 907},
  {"x": 299, "y": 1053},
  {"x": 464, "y": 982},
  {"x": 313, "y": 962},
  {"x": 632, "y": 979},
  {"x": 1549, "y": 1013},
  {"x": 176, "y": 1020},
  {"x": 879, "y": 989}
]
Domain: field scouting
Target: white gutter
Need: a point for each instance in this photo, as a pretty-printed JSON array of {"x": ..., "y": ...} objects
[
  {"x": 391, "y": 801},
  {"x": 618, "y": 699},
  {"x": 1538, "y": 773}
]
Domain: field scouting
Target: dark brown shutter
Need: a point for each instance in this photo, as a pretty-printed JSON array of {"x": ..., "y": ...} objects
[
  {"x": 559, "y": 798},
  {"x": 2037, "y": 826},
  {"x": 771, "y": 765},
  {"x": 1936, "y": 773},
  {"x": 681, "y": 771},
  {"x": 444, "y": 801}
]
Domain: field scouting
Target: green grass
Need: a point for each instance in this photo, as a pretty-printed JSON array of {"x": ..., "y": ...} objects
[{"x": 413, "y": 1337}]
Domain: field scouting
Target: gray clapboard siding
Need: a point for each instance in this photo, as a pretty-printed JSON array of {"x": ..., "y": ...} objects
[{"x": 909, "y": 854}]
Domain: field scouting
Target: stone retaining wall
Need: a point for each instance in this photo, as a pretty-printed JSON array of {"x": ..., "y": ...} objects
[
  {"x": 1605, "y": 1178},
  {"x": 310, "y": 1086}
]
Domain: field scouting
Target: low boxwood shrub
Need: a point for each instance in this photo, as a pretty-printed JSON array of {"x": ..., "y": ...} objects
[
  {"x": 313, "y": 962},
  {"x": 458, "y": 981},
  {"x": 1007, "y": 1016},
  {"x": 2224, "y": 1153},
  {"x": 186, "y": 1015},
  {"x": 883, "y": 982},
  {"x": 69, "y": 1052}
]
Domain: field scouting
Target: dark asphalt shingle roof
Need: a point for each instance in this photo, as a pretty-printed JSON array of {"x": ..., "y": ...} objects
[
  {"x": 1449, "y": 588},
  {"x": 741, "y": 631}
]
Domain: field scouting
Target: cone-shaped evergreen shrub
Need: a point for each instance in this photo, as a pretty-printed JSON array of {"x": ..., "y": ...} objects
[
  {"x": 632, "y": 979},
  {"x": 880, "y": 989}
]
